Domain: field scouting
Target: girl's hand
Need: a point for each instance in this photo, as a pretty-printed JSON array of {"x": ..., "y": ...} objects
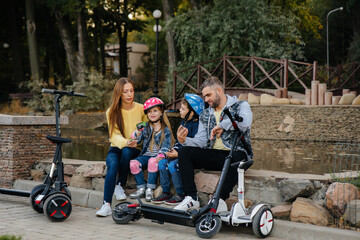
[
  {"x": 132, "y": 143},
  {"x": 172, "y": 154},
  {"x": 182, "y": 132}
]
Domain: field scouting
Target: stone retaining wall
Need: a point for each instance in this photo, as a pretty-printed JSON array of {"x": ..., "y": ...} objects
[{"x": 22, "y": 143}]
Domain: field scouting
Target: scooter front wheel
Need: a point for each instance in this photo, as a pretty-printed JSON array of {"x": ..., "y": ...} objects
[
  {"x": 33, "y": 195},
  {"x": 263, "y": 222},
  {"x": 57, "y": 207},
  {"x": 120, "y": 216},
  {"x": 208, "y": 226}
]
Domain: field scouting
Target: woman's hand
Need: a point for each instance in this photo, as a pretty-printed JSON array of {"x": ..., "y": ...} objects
[
  {"x": 172, "y": 154},
  {"x": 132, "y": 143}
]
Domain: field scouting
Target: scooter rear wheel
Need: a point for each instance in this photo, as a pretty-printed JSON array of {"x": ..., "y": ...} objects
[
  {"x": 263, "y": 222},
  {"x": 57, "y": 207},
  {"x": 33, "y": 195},
  {"x": 208, "y": 226},
  {"x": 120, "y": 216}
]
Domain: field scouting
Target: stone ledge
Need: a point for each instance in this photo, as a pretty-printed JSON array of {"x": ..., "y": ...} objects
[{"x": 30, "y": 120}]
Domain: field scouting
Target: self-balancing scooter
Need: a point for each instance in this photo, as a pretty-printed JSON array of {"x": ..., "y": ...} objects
[
  {"x": 52, "y": 197},
  {"x": 206, "y": 221}
]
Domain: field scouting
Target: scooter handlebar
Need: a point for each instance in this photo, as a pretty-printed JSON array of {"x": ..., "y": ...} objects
[{"x": 61, "y": 92}]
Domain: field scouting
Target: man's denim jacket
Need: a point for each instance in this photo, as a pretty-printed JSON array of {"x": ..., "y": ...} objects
[
  {"x": 145, "y": 137},
  {"x": 207, "y": 122}
]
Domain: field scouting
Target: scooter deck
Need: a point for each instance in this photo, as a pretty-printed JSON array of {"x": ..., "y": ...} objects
[{"x": 169, "y": 215}]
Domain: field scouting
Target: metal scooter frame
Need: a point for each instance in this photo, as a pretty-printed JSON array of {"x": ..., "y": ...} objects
[{"x": 206, "y": 220}]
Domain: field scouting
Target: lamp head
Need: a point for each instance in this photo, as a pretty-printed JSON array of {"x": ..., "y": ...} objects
[{"x": 157, "y": 14}]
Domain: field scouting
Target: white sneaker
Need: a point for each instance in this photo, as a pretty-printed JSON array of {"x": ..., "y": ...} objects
[
  {"x": 140, "y": 193},
  {"x": 104, "y": 211},
  {"x": 149, "y": 194},
  {"x": 119, "y": 193},
  {"x": 222, "y": 207},
  {"x": 187, "y": 204}
]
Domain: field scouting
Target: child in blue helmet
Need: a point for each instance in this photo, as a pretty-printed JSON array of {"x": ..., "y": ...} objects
[{"x": 191, "y": 108}]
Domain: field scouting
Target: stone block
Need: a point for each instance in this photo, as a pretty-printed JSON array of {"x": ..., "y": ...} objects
[
  {"x": 356, "y": 101},
  {"x": 252, "y": 99},
  {"x": 80, "y": 181},
  {"x": 267, "y": 99},
  {"x": 206, "y": 182},
  {"x": 352, "y": 212},
  {"x": 282, "y": 211},
  {"x": 347, "y": 99},
  {"x": 291, "y": 188},
  {"x": 95, "y": 171}
]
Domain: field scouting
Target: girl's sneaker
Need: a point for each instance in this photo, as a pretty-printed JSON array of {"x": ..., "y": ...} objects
[
  {"x": 149, "y": 194},
  {"x": 161, "y": 198},
  {"x": 140, "y": 193},
  {"x": 175, "y": 200}
]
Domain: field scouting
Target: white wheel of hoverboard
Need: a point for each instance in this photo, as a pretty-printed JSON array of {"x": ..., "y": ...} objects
[{"x": 263, "y": 222}]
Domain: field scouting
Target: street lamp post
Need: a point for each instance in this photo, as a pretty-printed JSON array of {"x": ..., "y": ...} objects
[
  {"x": 327, "y": 37},
  {"x": 157, "y": 29}
]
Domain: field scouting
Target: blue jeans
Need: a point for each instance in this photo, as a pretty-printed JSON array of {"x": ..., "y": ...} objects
[
  {"x": 169, "y": 167},
  {"x": 117, "y": 161},
  {"x": 139, "y": 178}
]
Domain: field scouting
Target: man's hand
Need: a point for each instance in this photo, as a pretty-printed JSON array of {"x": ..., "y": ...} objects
[
  {"x": 172, "y": 154},
  {"x": 182, "y": 132},
  {"x": 132, "y": 143},
  {"x": 216, "y": 131}
]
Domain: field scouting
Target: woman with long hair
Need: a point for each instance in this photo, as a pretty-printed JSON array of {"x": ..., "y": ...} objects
[{"x": 122, "y": 117}]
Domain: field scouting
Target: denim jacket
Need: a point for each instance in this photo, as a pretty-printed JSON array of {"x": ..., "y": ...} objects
[
  {"x": 207, "y": 122},
  {"x": 192, "y": 126},
  {"x": 145, "y": 138}
]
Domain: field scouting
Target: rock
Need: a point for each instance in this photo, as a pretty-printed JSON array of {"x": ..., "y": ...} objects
[
  {"x": 80, "y": 181},
  {"x": 206, "y": 182},
  {"x": 317, "y": 184},
  {"x": 252, "y": 99},
  {"x": 40, "y": 166},
  {"x": 83, "y": 168},
  {"x": 356, "y": 101},
  {"x": 296, "y": 101},
  {"x": 69, "y": 170},
  {"x": 307, "y": 211},
  {"x": 289, "y": 128},
  {"x": 131, "y": 183},
  {"x": 37, "y": 175},
  {"x": 266, "y": 99},
  {"x": 157, "y": 191},
  {"x": 289, "y": 120},
  {"x": 203, "y": 198},
  {"x": 67, "y": 179},
  {"x": 95, "y": 171},
  {"x": 291, "y": 188},
  {"x": 352, "y": 212},
  {"x": 319, "y": 195},
  {"x": 347, "y": 99},
  {"x": 243, "y": 97},
  {"x": 338, "y": 195},
  {"x": 233, "y": 199},
  {"x": 281, "y": 101},
  {"x": 281, "y": 127},
  {"x": 282, "y": 211},
  {"x": 98, "y": 184}
]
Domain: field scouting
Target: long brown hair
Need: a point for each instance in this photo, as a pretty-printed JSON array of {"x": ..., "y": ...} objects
[
  {"x": 164, "y": 123},
  {"x": 115, "y": 115}
]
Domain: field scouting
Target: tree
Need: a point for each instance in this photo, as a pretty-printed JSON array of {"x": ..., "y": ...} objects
[
  {"x": 168, "y": 8},
  {"x": 241, "y": 28}
]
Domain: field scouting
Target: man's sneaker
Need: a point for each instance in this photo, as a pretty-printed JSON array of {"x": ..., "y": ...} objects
[
  {"x": 149, "y": 194},
  {"x": 162, "y": 198},
  {"x": 175, "y": 200},
  {"x": 187, "y": 204},
  {"x": 140, "y": 193},
  {"x": 119, "y": 193},
  {"x": 104, "y": 211}
]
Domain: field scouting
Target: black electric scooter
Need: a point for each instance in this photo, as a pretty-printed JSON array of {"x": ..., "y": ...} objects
[
  {"x": 52, "y": 197},
  {"x": 206, "y": 221}
]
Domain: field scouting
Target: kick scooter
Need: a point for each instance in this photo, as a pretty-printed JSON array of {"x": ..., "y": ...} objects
[
  {"x": 52, "y": 198},
  {"x": 206, "y": 220}
]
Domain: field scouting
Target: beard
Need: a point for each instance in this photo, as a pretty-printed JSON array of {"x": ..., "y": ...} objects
[{"x": 216, "y": 101}]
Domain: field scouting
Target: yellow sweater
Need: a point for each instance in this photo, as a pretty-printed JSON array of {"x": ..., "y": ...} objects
[{"x": 131, "y": 118}]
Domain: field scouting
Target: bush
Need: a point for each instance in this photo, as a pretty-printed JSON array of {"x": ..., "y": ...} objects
[{"x": 9, "y": 237}]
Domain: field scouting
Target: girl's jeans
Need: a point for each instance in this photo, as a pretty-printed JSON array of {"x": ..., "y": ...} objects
[
  {"x": 139, "y": 178},
  {"x": 117, "y": 161},
  {"x": 169, "y": 167}
]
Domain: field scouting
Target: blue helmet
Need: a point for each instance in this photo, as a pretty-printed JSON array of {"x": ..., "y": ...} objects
[{"x": 196, "y": 102}]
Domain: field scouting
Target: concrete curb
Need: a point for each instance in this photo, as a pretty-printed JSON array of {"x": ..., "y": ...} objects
[{"x": 282, "y": 229}]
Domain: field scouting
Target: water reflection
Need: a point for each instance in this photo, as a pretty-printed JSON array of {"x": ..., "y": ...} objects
[{"x": 284, "y": 156}]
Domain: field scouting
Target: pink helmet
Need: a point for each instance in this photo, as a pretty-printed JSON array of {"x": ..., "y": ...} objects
[{"x": 153, "y": 102}]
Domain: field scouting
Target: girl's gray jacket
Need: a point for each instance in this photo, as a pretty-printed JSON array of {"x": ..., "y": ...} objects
[
  {"x": 145, "y": 137},
  {"x": 207, "y": 122}
]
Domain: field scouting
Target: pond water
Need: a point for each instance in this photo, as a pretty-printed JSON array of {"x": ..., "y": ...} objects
[{"x": 283, "y": 156}]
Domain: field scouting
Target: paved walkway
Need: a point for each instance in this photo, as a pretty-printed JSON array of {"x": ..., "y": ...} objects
[{"x": 17, "y": 218}]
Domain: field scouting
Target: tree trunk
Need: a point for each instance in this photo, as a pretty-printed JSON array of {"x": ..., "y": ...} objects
[
  {"x": 12, "y": 23},
  {"x": 102, "y": 43},
  {"x": 82, "y": 34},
  {"x": 196, "y": 4},
  {"x": 31, "y": 33},
  {"x": 96, "y": 37},
  {"x": 171, "y": 44},
  {"x": 76, "y": 69},
  {"x": 122, "y": 33}
]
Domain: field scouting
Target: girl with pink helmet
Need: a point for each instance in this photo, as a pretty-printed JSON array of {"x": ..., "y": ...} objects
[{"x": 157, "y": 139}]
